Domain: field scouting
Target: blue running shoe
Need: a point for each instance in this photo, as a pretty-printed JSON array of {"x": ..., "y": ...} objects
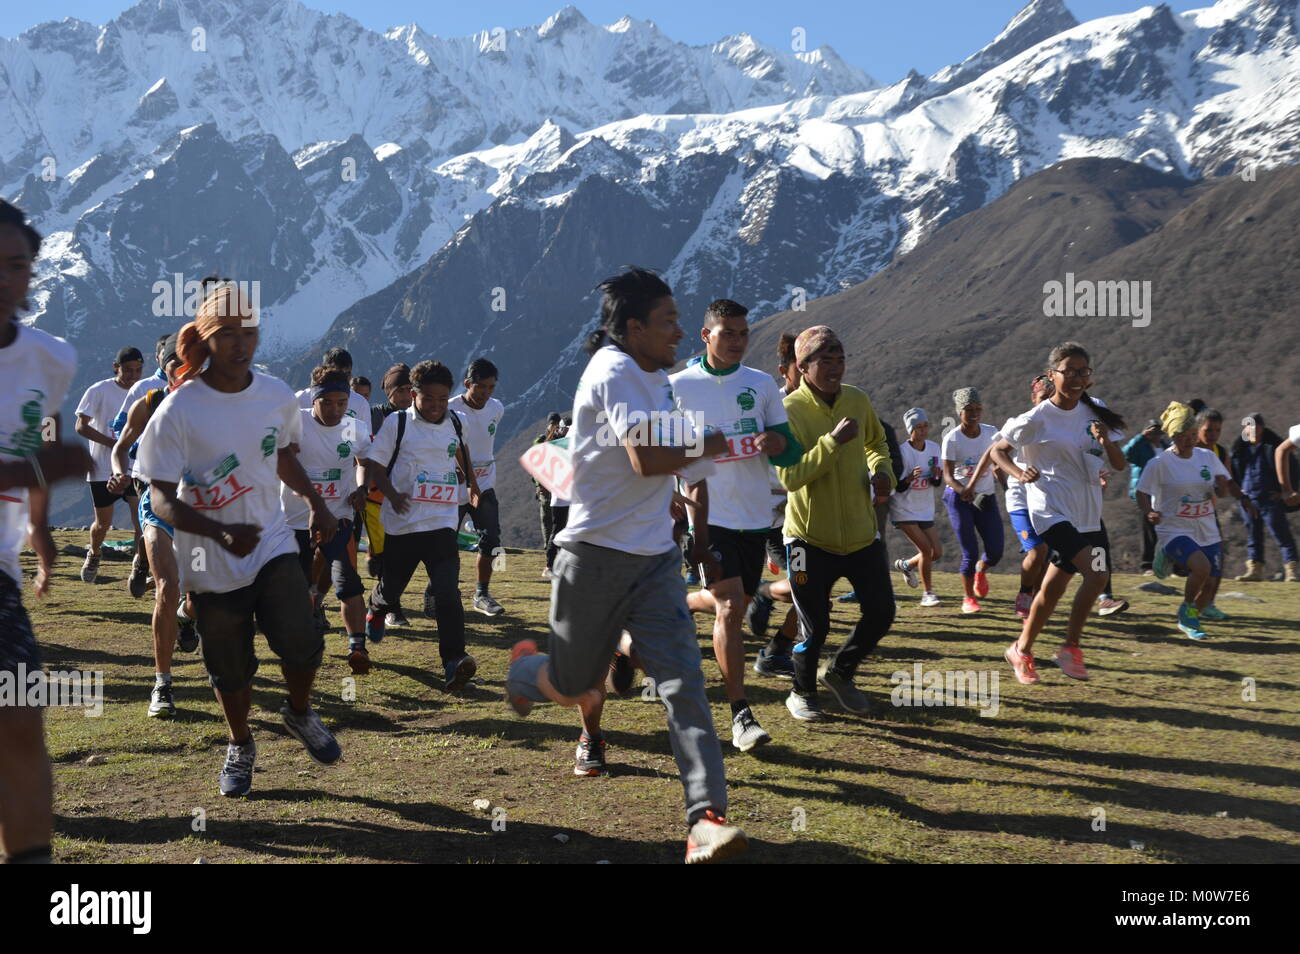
[
  {"x": 692, "y": 578},
  {"x": 1189, "y": 621},
  {"x": 308, "y": 729},
  {"x": 236, "y": 778},
  {"x": 374, "y": 626},
  {"x": 774, "y": 665},
  {"x": 1213, "y": 612},
  {"x": 850, "y": 597},
  {"x": 460, "y": 672}
]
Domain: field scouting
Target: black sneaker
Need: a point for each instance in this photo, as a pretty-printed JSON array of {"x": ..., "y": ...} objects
[
  {"x": 621, "y": 675},
  {"x": 396, "y": 618},
  {"x": 460, "y": 672},
  {"x": 161, "y": 703},
  {"x": 774, "y": 665},
  {"x": 187, "y": 635},
  {"x": 757, "y": 615},
  {"x": 589, "y": 760},
  {"x": 358, "y": 659},
  {"x": 139, "y": 578}
]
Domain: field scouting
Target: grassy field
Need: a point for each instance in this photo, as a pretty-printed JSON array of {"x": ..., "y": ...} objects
[{"x": 1161, "y": 746}]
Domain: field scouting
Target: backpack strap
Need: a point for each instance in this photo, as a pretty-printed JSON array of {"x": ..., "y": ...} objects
[{"x": 397, "y": 444}]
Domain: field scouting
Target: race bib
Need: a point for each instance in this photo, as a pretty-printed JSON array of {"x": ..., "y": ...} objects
[
  {"x": 437, "y": 489},
  {"x": 482, "y": 471},
  {"x": 1190, "y": 508},
  {"x": 550, "y": 466},
  {"x": 963, "y": 470},
  {"x": 218, "y": 488},
  {"x": 327, "y": 482},
  {"x": 742, "y": 437}
]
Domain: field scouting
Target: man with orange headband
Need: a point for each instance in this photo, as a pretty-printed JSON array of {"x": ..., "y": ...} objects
[{"x": 215, "y": 454}]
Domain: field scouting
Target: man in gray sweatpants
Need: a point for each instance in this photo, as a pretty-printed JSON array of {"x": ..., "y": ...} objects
[{"x": 618, "y": 568}]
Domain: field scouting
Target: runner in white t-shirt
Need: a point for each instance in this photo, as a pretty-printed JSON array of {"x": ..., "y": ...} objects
[
  {"x": 911, "y": 506},
  {"x": 414, "y": 461},
  {"x": 95, "y": 413},
  {"x": 970, "y": 496},
  {"x": 618, "y": 567},
  {"x": 35, "y": 371},
  {"x": 331, "y": 446},
  {"x": 745, "y": 406},
  {"x": 480, "y": 414},
  {"x": 1176, "y": 493},
  {"x": 214, "y": 454},
  {"x": 1064, "y": 441},
  {"x": 1282, "y": 460},
  {"x": 338, "y": 359}
]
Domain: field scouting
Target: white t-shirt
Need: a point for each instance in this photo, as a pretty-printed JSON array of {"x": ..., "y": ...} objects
[
  {"x": 328, "y": 455},
  {"x": 100, "y": 403},
  {"x": 966, "y": 452},
  {"x": 741, "y": 404},
  {"x": 1294, "y": 435},
  {"x": 1182, "y": 489},
  {"x": 1015, "y": 495},
  {"x": 133, "y": 394},
  {"x": 425, "y": 469},
  {"x": 358, "y": 406},
  {"x": 611, "y": 505},
  {"x": 1061, "y": 446},
  {"x": 35, "y": 371},
  {"x": 480, "y": 429},
  {"x": 221, "y": 450},
  {"x": 917, "y": 501}
]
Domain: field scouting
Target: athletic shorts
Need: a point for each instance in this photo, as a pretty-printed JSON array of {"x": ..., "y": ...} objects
[
  {"x": 374, "y": 529},
  {"x": 923, "y": 524},
  {"x": 276, "y": 603},
  {"x": 775, "y": 541},
  {"x": 1181, "y": 548},
  {"x": 151, "y": 519},
  {"x": 1024, "y": 530},
  {"x": 487, "y": 521},
  {"x": 741, "y": 553},
  {"x": 17, "y": 641},
  {"x": 343, "y": 574},
  {"x": 1064, "y": 542},
  {"x": 140, "y": 485},
  {"x": 102, "y": 498}
]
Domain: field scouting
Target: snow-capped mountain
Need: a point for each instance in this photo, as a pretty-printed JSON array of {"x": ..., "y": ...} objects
[{"x": 410, "y": 196}]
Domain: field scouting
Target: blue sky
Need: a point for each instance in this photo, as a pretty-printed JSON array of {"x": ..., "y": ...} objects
[{"x": 884, "y": 37}]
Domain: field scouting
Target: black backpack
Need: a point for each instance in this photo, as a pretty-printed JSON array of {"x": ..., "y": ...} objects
[{"x": 401, "y": 431}]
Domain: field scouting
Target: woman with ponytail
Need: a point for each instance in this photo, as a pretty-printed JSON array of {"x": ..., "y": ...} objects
[{"x": 1061, "y": 445}]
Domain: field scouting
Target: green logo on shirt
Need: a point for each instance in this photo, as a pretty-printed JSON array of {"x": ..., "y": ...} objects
[
  {"x": 746, "y": 399},
  {"x": 268, "y": 442},
  {"x": 492, "y": 428},
  {"x": 451, "y": 449},
  {"x": 225, "y": 467},
  {"x": 28, "y": 440},
  {"x": 344, "y": 449},
  {"x": 1205, "y": 473}
]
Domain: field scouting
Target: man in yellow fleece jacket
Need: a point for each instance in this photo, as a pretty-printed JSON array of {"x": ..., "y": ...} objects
[{"x": 830, "y": 524}]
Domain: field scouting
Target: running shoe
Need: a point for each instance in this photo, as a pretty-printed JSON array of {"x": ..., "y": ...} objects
[
  {"x": 846, "y": 694},
  {"x": 712, "y": 839},
  {"x": 547, "y": 574},
  {"x": 757, "y": 615},
  {"x": 981, "y": 584},
  {"x": 970, "y": 605},
  {"x": 774, "y": 568},
  {"x": 1160, "y": 566},
  {"x": 1109, "y": 606},
  {"x": 1070, "y": 659},
  {"x": 90, "y": 568},
  {"x": 850, "y": 597},
  {"x": 804, "y": 708},
  {"x": 746, "y": 733},
  {"x": 930, "y": 598},
  {"x": 308, "y": 729},
  {"x": 358, "y": 658},
  {"x": 459, "y": 672},
  {"x": 396, "y": 618},
  {"x": 589, "y": 760},
  {"x": 161, "y": 703},
  {"x": 375, "y": 626},
  {"x": 1213, "y": 612},
  {"x": 374, "y": 566},
  {"x": 774, "y": 665},
  {"x": 187, "y": 634},
  {"x": 692, "y": 578},
  {"x": 905, "y": 568},
  {"x": 319, "y": 618},
  {"x": 525, "y": 647},
  {"x": 138, "y": 580},
  {"x": 1189, "y": 621},
  {"x": 236, "y": 776},
  {"x": 1023, "y": 664},
  {"x": 621, "y": 675},
  {"x": 1023, "y": 602},
  {"x": 487, "y": 605}
]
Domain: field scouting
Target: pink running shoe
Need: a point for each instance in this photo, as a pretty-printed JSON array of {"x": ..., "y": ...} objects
[
  {"x": 981, "y": 584},
  {"x": 1023, "y": 602},
  {"x": 1070, "y": 659},
  {"x": 1023, "y": 664},
  {"x": 969, "y": 605}
]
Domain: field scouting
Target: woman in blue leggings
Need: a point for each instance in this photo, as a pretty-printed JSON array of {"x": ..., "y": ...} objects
[{"x": 970, "y": 495}]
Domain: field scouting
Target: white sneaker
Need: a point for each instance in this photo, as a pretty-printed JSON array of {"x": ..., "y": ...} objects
[
  {"x": 746, "y": 733},
  {"x": 930, "y": 598},
  {"x": 547, "y": 574},
  {"x": 909, "y": 574}
]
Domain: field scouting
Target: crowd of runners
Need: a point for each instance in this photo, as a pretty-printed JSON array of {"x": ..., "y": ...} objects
[{"x": 250, "y": 502}]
